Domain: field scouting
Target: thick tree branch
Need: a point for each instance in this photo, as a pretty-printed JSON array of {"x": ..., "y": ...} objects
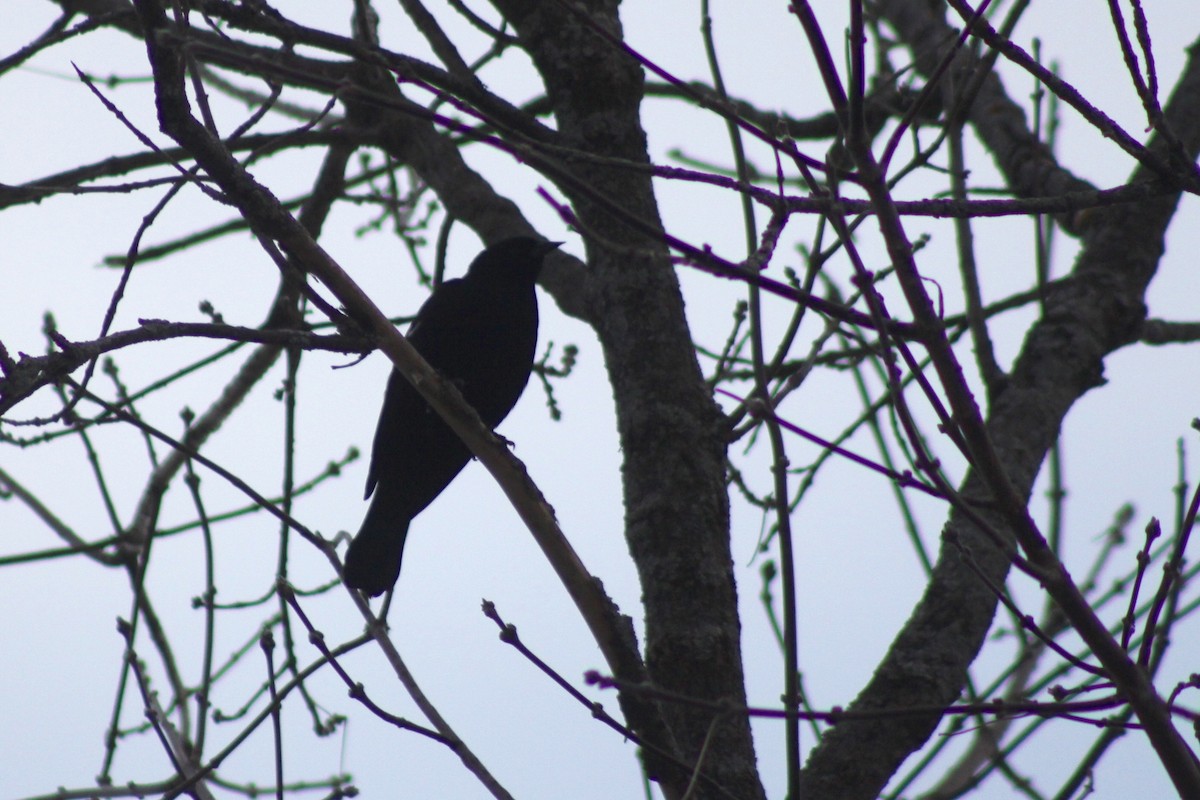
[{"x": 1099, "y": 310}]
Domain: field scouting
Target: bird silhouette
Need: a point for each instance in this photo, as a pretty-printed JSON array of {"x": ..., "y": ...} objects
[{"x": 480, "y": 332}]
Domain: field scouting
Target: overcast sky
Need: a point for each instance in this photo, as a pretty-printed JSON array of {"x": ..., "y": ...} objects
[{"x": 58, "y": 618}]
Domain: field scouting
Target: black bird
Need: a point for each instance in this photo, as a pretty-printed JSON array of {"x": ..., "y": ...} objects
[{"x": 480, "y": 332}]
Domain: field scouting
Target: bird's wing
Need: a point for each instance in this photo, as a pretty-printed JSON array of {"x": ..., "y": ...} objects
[
  {"x": 431, "y": 333},
  {"x": 437, "y": 330}
]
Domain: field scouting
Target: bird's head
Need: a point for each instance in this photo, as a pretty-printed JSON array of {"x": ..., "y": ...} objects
[{"x": 519, "y": 258}]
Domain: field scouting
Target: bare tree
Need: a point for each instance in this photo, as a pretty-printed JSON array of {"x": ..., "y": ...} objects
[{"x": 948, "y": 411}]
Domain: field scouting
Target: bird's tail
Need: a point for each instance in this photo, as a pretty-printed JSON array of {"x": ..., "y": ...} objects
[{"x": 373, "y": 560}]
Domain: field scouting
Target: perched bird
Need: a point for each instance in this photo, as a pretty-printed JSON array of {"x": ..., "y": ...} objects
[{"x": 480, "y": 332}]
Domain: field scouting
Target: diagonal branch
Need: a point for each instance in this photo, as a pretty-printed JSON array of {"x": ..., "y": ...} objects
[
  {"x": 612, "y": 632},
  {"x": 1098, "y": 310}
]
